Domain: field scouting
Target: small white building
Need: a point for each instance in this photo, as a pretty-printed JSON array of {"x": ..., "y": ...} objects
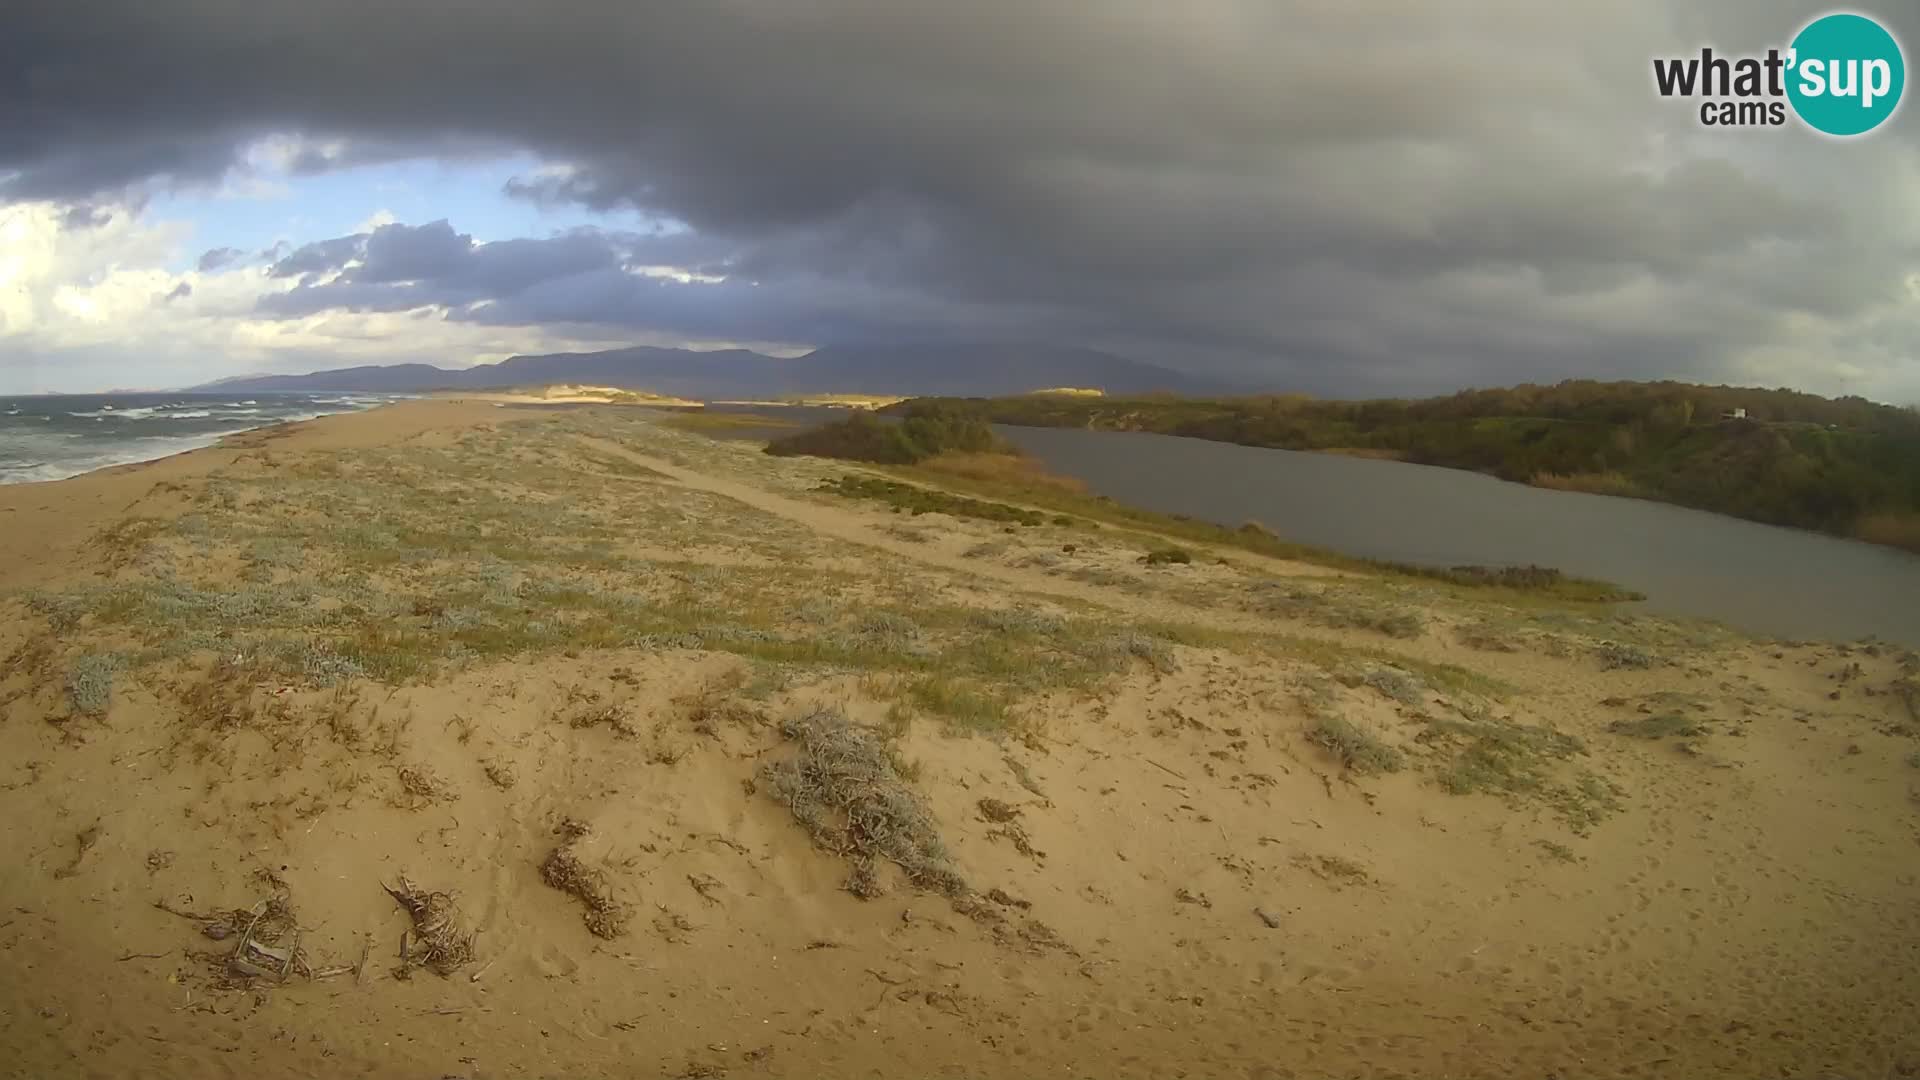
[{"x": 1737, "y": 414}]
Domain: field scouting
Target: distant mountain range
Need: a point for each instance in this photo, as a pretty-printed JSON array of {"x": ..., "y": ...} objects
[{"x": 949, "y": 370}]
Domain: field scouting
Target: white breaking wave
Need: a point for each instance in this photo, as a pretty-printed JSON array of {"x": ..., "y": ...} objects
[{"x": 30, "y": 472}]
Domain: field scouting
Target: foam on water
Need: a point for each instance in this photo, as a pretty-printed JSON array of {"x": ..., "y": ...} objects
[{"x": 52, "y": 438}]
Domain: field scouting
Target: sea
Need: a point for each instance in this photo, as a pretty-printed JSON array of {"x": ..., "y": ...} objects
[{"x": 52, "y": 437}]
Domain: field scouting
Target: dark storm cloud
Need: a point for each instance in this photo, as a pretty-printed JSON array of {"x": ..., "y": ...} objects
[
  {"x": 398, "y": 267},
  {"x": 1487, "y": 187}
]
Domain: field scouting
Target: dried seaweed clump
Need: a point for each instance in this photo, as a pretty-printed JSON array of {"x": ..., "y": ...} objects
[
  {"x": 606, "y": 917},
  {"x": 843, "y": 789},
  {"x": 437, "y": 942}
]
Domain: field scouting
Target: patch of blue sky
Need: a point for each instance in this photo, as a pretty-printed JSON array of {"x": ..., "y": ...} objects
[{"x": 253, "y": 213}]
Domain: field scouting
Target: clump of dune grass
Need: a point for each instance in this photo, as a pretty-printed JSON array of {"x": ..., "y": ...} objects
[
  {"x": 844, "y": 790},
  {"x": 90, "y": 682},
  {"x": 1122, "y": 648},
  {"x": 1398, "y": 685},
  {"x": 1481, "y": 754},
  {"x": 1167, "y": 556},
  {"x": 1660, "y": 726},
  {"x": 1614, "y": 655},
  {"x": 1356, "y": 750}
]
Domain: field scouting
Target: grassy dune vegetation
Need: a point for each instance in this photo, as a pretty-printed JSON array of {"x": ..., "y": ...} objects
[{"x": 1849, "y": 467}]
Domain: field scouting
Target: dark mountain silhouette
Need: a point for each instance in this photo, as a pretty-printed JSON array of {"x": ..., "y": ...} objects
[{"x": 958, "y": 370}]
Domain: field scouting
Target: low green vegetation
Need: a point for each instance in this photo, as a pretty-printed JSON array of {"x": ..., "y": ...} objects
[
  {"x": 1845, "y": 466},
  {"x": 1520, "y": 762},
  {"x": 915, "y": 500},
  {"x": 923, "y": 432}
]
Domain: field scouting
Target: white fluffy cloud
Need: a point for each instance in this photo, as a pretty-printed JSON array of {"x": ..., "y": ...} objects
[{"x": 89, "y": 308}]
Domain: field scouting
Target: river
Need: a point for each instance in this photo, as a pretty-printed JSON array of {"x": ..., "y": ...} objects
[{"x": 1759, "y": 578}]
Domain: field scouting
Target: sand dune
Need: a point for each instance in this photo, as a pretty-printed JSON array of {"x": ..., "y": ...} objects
[{"x": 1194, "y": 820}]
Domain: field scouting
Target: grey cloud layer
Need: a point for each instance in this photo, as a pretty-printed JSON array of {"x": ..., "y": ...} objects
[{"x": 1479, "y": 191}]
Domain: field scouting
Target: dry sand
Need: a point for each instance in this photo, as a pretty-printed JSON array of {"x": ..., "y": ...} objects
[
  {"x": 571, "y": 394},
  {"x": 549, "y": 664}
]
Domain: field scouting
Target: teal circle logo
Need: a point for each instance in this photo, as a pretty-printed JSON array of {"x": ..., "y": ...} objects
[{"x": 1846, "y": 74}]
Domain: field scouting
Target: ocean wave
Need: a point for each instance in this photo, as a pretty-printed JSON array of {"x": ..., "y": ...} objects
[
  {"x": 119, "y": 414},
  {"x": 148, "y": 449},
  {"x": 59, "y": 454}
]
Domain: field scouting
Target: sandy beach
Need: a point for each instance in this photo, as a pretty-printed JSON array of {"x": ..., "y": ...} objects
[{"x": 455, "y": 739}]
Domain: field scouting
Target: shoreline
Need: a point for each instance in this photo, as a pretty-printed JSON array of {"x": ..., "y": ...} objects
[{"x": 180, "y": 445}]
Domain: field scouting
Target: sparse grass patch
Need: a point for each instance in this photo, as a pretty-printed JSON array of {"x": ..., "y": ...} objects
[
  {"x": 919, "y": 500},
  {"x": 1558, "y": 852},
  {"x": 1337, "y": 868},
  {"x": 1164, "y": 556},
  {"x": 959, "y": 703},
  {"x": 1518, "y": 762},
  {"x": 721, "y": 422},
  {"x": 1333, "y": 608},
  {"x": 1614, "y": 655},
  {"x": 1356, "y": 750},
  {"x": 1011, "y": 469},
  {"x": 1121, "y": 648},
  {"x": 1660, "y": 726}
]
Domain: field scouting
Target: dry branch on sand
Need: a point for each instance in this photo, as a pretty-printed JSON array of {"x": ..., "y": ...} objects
[
  {"x": 266, "y": 943},
  {"x": 606, "y": 916},
  {"x": 437, "y": 941}
]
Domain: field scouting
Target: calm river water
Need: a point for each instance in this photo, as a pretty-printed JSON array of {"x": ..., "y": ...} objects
[{"x": 1767, "y": 580}]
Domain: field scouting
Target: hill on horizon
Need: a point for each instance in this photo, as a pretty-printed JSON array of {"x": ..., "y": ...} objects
[{"x": 908, "y": 370}]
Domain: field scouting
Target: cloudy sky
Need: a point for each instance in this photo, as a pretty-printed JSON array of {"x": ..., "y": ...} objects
[{"x": 1325, "y": 195}]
